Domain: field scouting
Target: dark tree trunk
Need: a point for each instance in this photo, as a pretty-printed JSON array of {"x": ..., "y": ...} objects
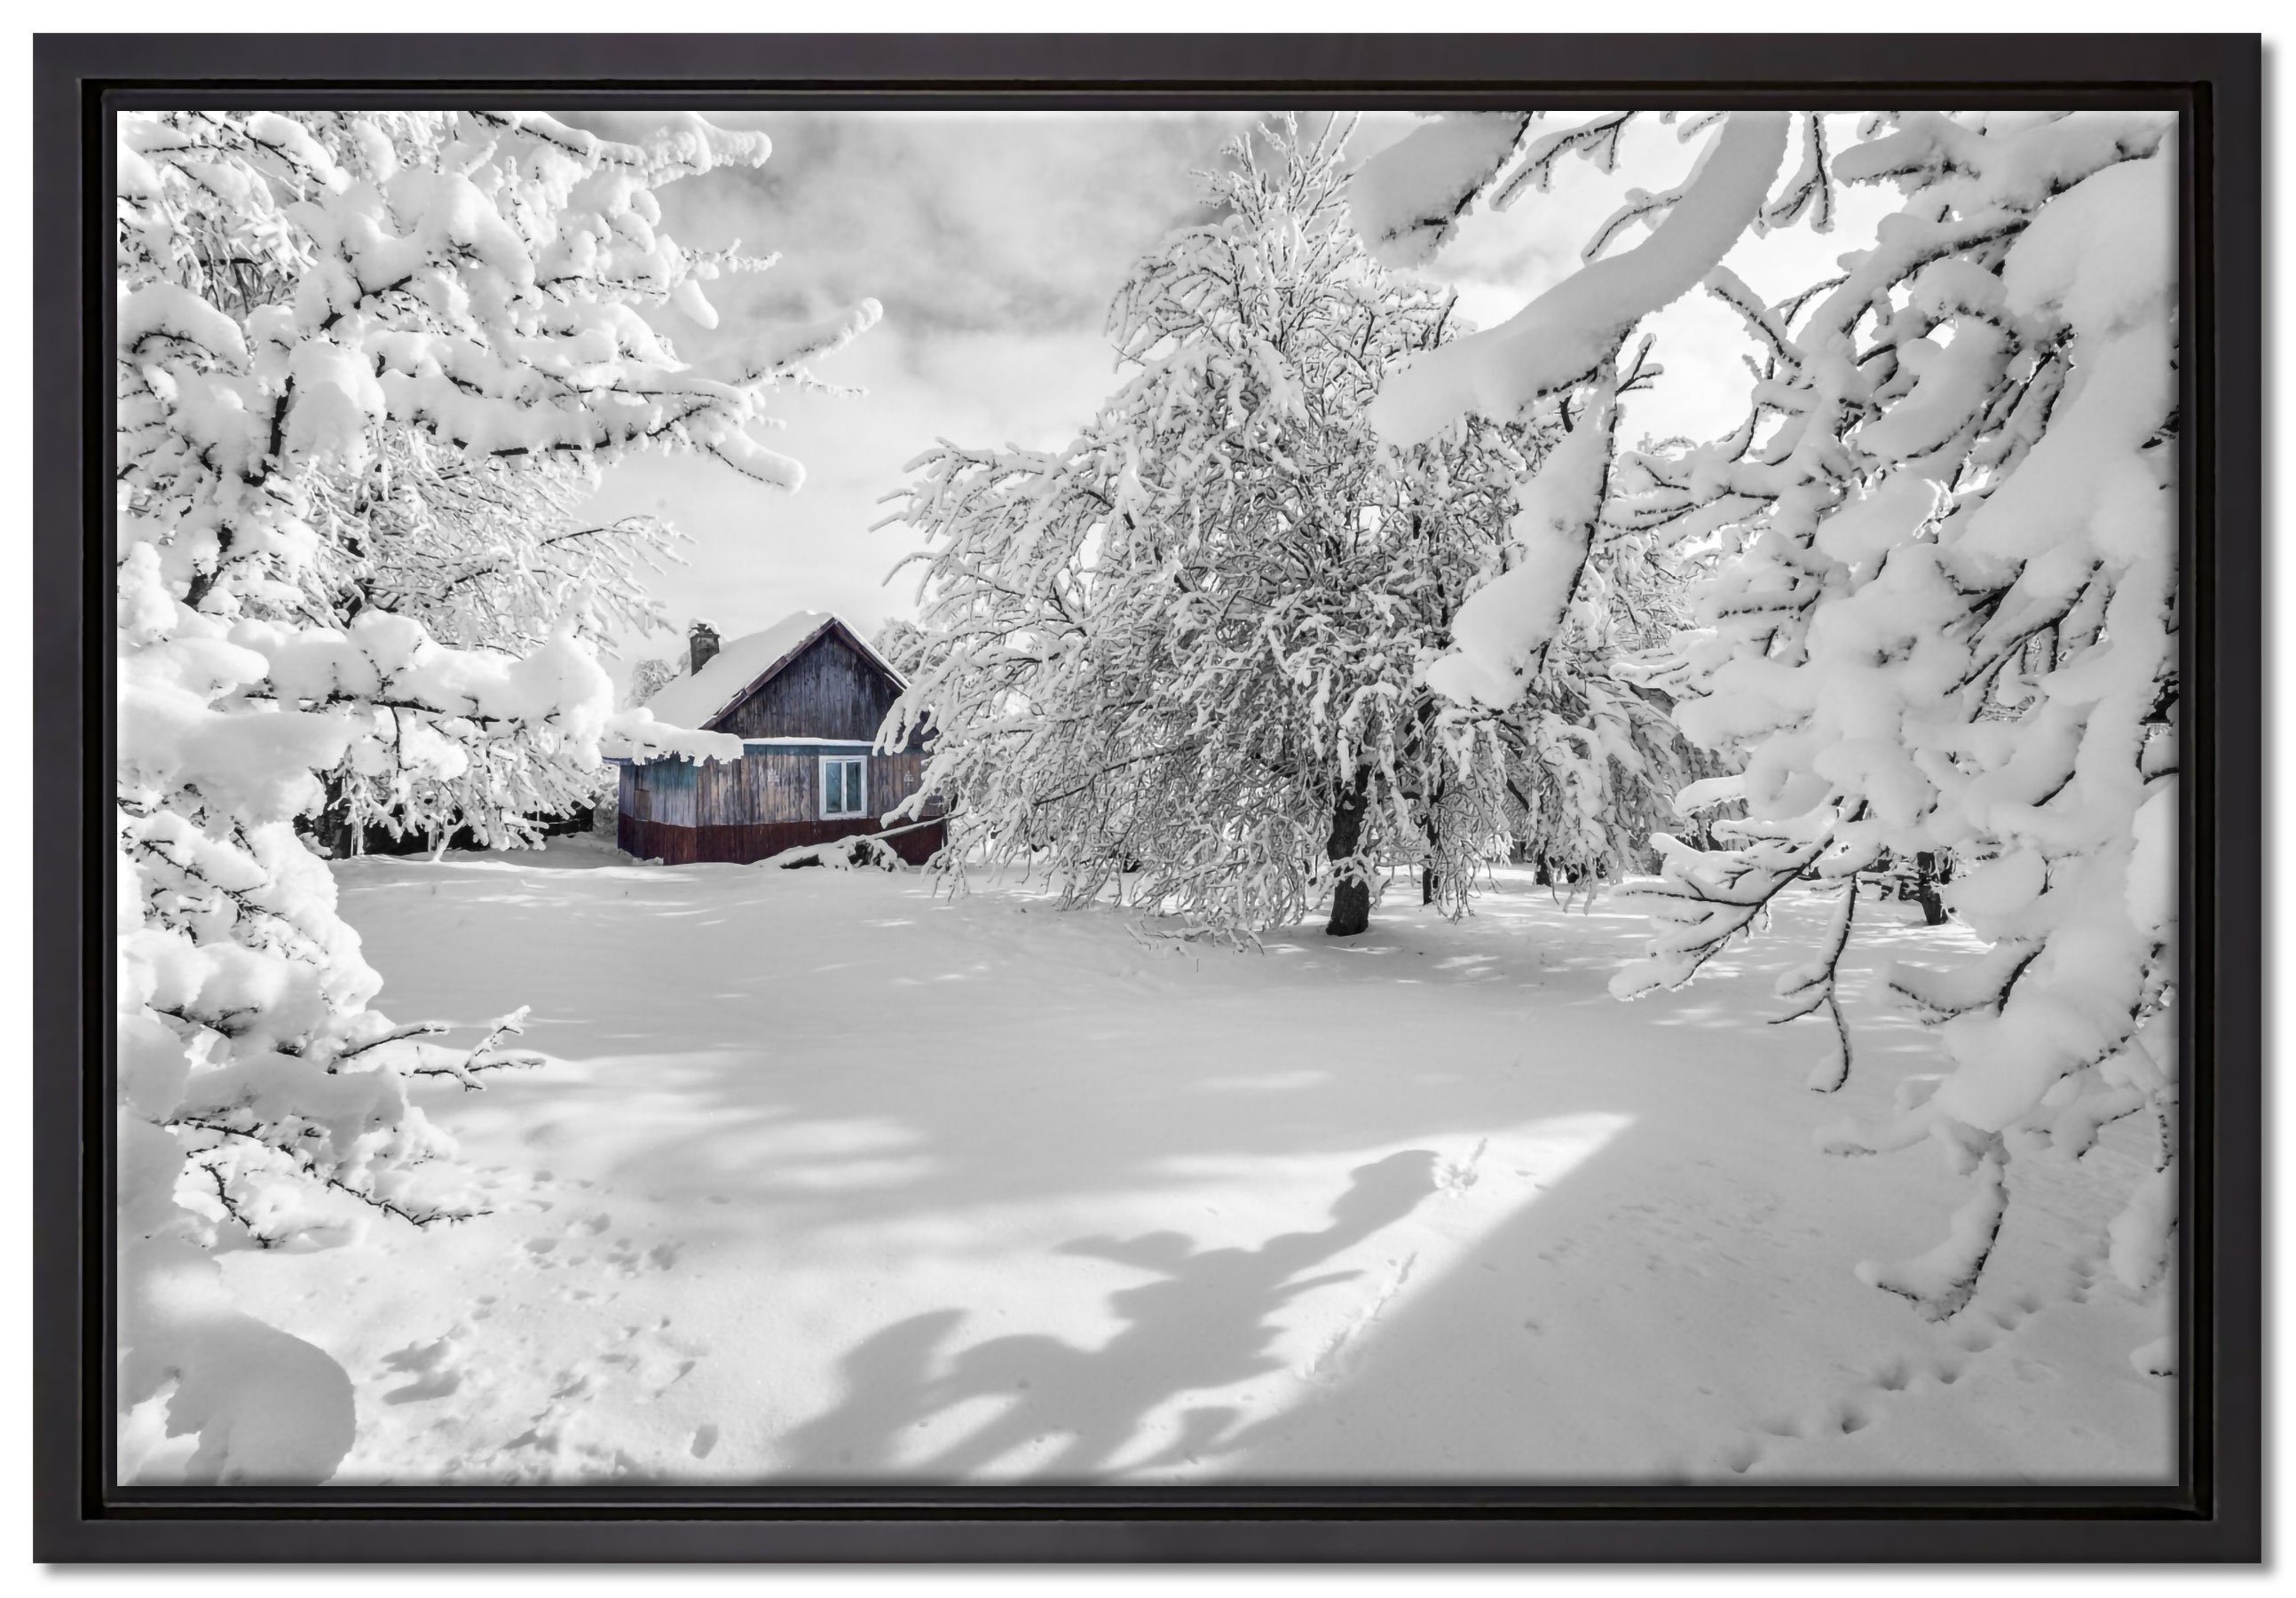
[
  {"x": 1428, "y": 884},
  {"x": 1927, "y": 875},
  {"x": 1351, "y": 894},
  {"x": 332, "y": 827}
]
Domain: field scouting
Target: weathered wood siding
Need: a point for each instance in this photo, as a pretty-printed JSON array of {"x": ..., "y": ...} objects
[
  {"x": 665, "y": 792},
  {"x": 785, "y": 786},
  {"x": 776, "y": 785},
  {"x": 766, "y": 802},
  {"x": 828, "y": 692},
  {"x": 762, "y": 786},
  {"x": 893, "y": 777}
]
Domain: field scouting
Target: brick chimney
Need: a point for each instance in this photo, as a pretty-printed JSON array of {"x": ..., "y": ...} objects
[{"x": 700, "y": 645}]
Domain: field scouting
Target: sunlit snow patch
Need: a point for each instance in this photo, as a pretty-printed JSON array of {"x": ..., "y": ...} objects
[{"x": 1216, "y": 1333}]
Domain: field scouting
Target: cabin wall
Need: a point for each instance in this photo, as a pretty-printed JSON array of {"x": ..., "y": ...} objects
[
  {"x": 893, "y": 777},
  {"x": 762, "y": 786},
  {"x": 683, "y": 811},
  {"x": 765, "y": 786},
  {"x": 666, "y": 791},
  {"x": 828, "y": 692}
]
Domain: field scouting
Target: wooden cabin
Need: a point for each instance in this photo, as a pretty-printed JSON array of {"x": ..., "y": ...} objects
[{"x": 806, "y": 696}]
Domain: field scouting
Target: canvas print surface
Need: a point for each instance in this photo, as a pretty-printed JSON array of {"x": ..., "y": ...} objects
[{"x": 1147, "y": 797}]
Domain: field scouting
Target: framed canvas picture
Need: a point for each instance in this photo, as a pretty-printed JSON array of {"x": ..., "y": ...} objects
[{"x": 1539, "y": 852}]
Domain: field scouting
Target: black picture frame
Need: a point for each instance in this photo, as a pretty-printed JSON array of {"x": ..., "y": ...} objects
[{"x": 2213, "y": 1514}]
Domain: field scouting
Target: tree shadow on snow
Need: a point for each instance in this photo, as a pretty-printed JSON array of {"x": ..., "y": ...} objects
[{"x": 1208, "y": 1321}]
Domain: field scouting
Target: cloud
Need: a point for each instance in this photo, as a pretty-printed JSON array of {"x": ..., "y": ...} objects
[{"x": 956, "y": 221}]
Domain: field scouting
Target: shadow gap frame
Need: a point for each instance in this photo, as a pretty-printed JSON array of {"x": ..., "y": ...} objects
[{"x": 2213, "y": 1514}]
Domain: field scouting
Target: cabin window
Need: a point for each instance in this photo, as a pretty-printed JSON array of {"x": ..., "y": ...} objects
[{"x": 844, "y": 788}]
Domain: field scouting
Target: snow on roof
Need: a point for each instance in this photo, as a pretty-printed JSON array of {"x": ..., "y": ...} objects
[{"x": 700, "y": 697}]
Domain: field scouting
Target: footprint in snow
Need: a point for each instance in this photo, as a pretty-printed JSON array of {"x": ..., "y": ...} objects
[{"x": 1978, "y": 1330}]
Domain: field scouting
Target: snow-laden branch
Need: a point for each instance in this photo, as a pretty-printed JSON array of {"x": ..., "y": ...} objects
[
  {"x": 636, "y": 735},
  {"x": 1564, "y": 336},
  {"x": 1501, "y": 634},
  {"x": 1942, "y": 612}
]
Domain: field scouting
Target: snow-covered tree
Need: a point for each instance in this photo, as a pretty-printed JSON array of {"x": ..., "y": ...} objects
[
  {"x": 487, "y": 556},
  {"x": 649, "y": 678},
  {"x": 1179, "y": 657},
  {"x": 900, "y": 643},
  {"x": 354, "y": 350},
  {"x": 1942, "y": 611}
]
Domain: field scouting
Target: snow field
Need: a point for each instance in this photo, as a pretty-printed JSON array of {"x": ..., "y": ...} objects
[{"x": 830, "y": 1177}]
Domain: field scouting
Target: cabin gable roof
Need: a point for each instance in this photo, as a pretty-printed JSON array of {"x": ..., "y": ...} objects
[{"x": 704, "y": 700}]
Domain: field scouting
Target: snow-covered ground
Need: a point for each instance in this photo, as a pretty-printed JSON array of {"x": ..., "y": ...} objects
[{"x": 832, "y": 1177}]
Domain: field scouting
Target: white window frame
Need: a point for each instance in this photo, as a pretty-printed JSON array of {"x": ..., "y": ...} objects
[{"x": 860, "y": 764}]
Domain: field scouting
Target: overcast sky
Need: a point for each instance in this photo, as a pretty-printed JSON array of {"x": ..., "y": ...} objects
[{"x": 994, "y": 241}]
